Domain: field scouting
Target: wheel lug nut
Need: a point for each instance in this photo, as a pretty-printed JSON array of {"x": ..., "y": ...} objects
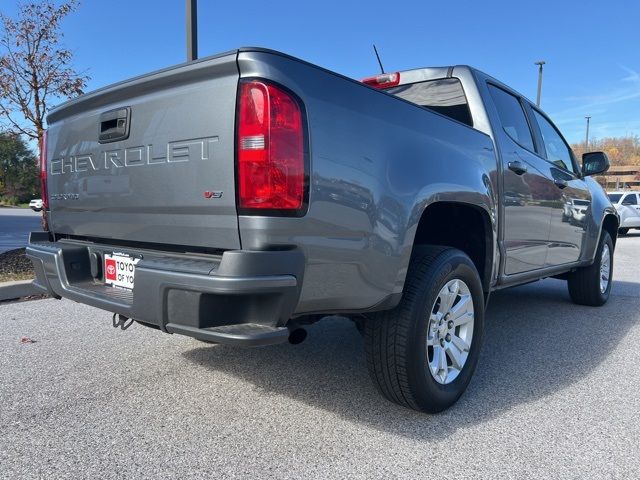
[
  {"x": 442, "y": 342},
  {"x": 450, "y": 324},
  {"x": 448, "y": 337}
]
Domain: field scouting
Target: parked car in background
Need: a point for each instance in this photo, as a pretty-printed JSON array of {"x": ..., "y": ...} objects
[
  {"x": 36, "y": 204},
  {"x": 628, "y": 206}
]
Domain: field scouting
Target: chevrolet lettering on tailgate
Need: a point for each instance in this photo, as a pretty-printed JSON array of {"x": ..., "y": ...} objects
[{"x": 178, "y": 151}]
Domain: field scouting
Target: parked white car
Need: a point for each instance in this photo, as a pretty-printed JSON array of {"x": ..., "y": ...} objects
[
  {"x": 628, "y": 206},
  {"x": 36, "y": 204}
]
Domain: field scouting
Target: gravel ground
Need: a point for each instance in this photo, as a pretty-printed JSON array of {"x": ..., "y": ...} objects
[
  {"x": 14, "y": 265},
  {"x": 555, "y": 396}
]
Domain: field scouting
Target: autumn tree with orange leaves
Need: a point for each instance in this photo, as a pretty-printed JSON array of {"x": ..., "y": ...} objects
[{"x": 620, "y": 150}]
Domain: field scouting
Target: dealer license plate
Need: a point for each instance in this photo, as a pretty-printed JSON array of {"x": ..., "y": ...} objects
[{"x": 120, "y": 270}]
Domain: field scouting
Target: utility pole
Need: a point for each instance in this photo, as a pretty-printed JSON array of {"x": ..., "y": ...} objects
[
  {"x": 192, "y": 30},
  {"x": 540, "y": 63},
  {"x": 586, "y": 141}
]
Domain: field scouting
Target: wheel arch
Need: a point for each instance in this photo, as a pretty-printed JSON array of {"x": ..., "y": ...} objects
[
  {"x": 465, "y": 226},
  {"x": 610, "y": 224}
]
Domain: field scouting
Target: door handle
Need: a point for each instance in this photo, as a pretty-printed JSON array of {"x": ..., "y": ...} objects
[
  {"x": 560, "y": 183},
  {"x": 517, "y": 167}
]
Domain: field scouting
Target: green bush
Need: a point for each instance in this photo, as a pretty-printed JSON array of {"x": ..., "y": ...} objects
[{"x": 13, "y": 201}]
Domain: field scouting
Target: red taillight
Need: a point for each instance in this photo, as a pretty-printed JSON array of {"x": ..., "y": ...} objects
[
  {"x": 386, "y": 80},
  {"x": 271, "y": 157},
  {"x": 43, "y": 171}
]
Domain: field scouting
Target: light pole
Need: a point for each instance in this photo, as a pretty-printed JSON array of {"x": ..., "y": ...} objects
[
  {"x": 586, "y": 141},
  {"x": 540, "y": 63},
  {"x": 192, "y": 29}
]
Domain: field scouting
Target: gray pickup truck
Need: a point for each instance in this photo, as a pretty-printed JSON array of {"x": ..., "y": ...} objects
[{"x": 238, "y": 198}]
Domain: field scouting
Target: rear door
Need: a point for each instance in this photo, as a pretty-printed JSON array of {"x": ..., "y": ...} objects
[
  {"x": 528, "y": 192},
  {"x": 571, "y": 211},
  {"x": 149, "y": 160}
]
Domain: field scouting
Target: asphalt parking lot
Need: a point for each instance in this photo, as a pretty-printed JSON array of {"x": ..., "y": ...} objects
[
  {"x": 15, "y": 226},
  {"x": 556, "y": 395}
]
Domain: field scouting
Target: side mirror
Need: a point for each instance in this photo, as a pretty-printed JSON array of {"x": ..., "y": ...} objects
[{"x": 594, "y": 163}]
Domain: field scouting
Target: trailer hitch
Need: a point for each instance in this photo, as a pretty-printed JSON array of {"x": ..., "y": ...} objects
[{"x": 121, "y": 321}]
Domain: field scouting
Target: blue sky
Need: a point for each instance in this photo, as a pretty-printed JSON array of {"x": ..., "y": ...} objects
[{"x": 591, "y": 47}]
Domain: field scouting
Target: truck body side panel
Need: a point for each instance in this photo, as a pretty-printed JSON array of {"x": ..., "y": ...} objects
[
  {"x": 376, "y": 163},
  {"x": 600, "y": 207}
]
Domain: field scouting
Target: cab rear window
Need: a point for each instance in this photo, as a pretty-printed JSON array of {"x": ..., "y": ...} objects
[{"x": 445, "y": 96}]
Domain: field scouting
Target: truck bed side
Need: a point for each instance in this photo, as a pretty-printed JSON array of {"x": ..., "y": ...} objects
[{"x": 377, "y": 162}]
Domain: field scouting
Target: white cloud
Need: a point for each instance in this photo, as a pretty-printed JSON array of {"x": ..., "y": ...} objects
[
  {"x": 633, "y": 75},
  {"x": 613, "y": 113}
]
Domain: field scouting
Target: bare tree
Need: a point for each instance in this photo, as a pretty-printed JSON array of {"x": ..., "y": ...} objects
[{"x": 34, "y": 66}]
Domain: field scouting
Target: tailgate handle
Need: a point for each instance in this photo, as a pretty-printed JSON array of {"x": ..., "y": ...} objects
[{"x": 114, "y": 125}]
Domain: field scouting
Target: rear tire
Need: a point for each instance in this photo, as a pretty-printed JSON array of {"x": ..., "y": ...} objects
[
  {"x": 587, "y": 285},
  {"x": 406, "y": 346}
]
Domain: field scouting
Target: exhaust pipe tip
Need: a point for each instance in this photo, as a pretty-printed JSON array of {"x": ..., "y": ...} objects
[{"x": 297, "y": 336}]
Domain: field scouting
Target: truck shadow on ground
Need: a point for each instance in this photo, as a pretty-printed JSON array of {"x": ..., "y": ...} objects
[{"x": 536, "y": 343}]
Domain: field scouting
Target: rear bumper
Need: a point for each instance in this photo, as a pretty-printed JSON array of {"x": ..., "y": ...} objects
[{"x": 239, "y": 297}]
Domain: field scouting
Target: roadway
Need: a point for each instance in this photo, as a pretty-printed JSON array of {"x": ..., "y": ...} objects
[
  {"x": 15, "y": 225},
  {"x": 555, "y": 395}
]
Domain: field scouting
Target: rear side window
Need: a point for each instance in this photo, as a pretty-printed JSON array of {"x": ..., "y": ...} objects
[
  {"x": 444, "y": 96},
  {"x": 630, "y": 199},
  {"x": 512, "y": 117}
]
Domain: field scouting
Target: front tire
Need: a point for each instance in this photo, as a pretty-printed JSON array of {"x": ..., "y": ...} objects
[
  {"x": 423, "y": 353},
  {"x": 623, "y": 231},
  {"x": 592, "y": 285}
]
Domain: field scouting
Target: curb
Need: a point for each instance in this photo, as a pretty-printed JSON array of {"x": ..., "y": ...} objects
[{"x": 14, "y": 290}]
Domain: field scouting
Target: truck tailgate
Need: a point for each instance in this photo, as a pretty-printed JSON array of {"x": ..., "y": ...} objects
[{"x": 163, "y": 169}]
